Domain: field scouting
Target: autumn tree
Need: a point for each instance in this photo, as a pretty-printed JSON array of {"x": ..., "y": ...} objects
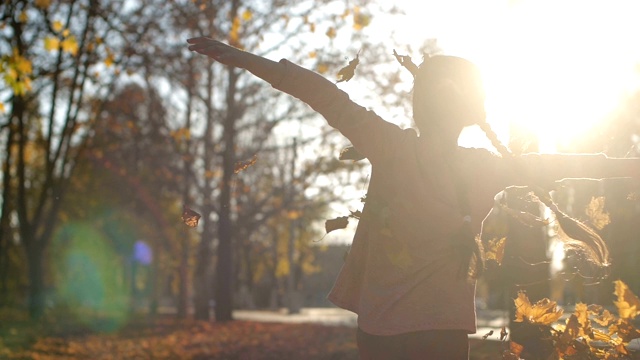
[
  {"x": 59, "y": 60},
  {"x": 238, "y": 113}
]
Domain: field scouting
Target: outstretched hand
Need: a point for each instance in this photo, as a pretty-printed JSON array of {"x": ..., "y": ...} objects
[
  {"x": 263, "y": 68},
  {"x": 218, "y": 51}
]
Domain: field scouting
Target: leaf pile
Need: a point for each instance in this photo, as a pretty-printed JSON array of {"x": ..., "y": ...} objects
[
  {"x": 167, "y": 338},
  {"x": 591, "y": 332}
]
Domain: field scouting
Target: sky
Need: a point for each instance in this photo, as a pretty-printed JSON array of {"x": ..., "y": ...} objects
[{"x": 562, "y": 64}]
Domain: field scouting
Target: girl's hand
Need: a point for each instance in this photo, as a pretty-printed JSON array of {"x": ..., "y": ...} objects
[{"x": 218, "y": 51}]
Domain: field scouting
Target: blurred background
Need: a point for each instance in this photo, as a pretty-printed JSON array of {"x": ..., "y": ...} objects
[{"x": 110, "y": 128}]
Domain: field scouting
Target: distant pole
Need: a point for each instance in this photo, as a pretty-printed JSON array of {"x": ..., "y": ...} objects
[{"x": 293, "y": 302}]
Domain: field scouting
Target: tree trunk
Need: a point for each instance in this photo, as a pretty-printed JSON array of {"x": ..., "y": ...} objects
[
  {"x": 36, "y": 281},
  {"x": 224, "y": 268}
]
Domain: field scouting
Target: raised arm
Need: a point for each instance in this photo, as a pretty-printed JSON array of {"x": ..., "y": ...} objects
[
  {"x": 371, "y": 135},
  {"x": 261, "y": 67}
]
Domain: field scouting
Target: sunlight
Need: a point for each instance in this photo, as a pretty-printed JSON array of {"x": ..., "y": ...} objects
[{"x": 553, "y": 68}]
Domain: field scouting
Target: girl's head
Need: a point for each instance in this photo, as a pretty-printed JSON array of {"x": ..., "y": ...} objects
[{"x": 448, "y": 95}]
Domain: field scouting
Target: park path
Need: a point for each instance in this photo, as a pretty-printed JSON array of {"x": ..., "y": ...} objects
[{"x": 488, "y": 320}]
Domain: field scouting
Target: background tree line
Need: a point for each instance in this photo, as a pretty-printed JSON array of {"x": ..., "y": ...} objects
[{"x": 109, "y": 127}]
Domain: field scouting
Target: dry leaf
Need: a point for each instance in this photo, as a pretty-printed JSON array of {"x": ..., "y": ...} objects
[
  {"x": 494, "y": 250},
  {"x": 543, "y": 312},
  {"x": 336, "y": 224},
  {"x": 485, "y": 336},
  {"x": 243, "y": 165},
  {"x": 503, "y": 333},
  {"x": 190, "y": 217},
  {"x": 628, "y": 304},
  {"x": 595, "y": 211},
  {"x": 347, "y": 72}
]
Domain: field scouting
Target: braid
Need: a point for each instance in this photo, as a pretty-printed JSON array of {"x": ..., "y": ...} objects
[{"x": 579, "y": 236}]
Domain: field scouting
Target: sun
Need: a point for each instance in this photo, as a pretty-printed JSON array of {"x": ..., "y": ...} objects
[{"x": 553, "y": 68}]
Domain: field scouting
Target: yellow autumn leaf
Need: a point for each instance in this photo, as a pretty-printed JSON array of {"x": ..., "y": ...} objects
[
  {"x": 43, "y": 4},
  {"x": 247, "y": 15},
  {"x": 110, "y": 60},
  {"x": 66, "y": 32},
  {"x": 23, "y": 65},
  {"x": 23, "y": 17},
  {"x": 51, "y": 43},
  {"x": 57, "y": 26},
  {"x": 234, "y": 34},
  {"x": 2, "y": 108},
  {"x": 331, "y": 32},
  {"x": 360, "y": 19},
  {"x": 322, "y": 68},
  {"x": 70, "y": 45},
  {"x": 598, "y": 217},
  {"x": 628, "y": 304},
  {"x": 543, "y": 312},
  {"x": 11, "y": 75},
  {"x": 494, "y": 250},
  {"x": 313, "y": 54}
]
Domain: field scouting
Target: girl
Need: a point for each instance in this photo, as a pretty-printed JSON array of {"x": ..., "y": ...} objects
[{"x": 425, "y": 203}]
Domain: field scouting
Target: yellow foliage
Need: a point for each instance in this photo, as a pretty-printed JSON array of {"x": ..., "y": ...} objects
[
  {"x": 23, "y": 17},
  {"x": 331, "y": 32},
  {"x": 322, "y": 68},
  {"x": 247, "y": 15},
  {"x": 57, "y": 26},
  {"x": 234, "y": 34},
  {"x": 543, "y": 312},
  {"x": 70, "y": 45},
  {"x": 51, "y": 43},
  {"x": 360, "y": 19},
  {"x": 628, "y": 304},
  {"x": 495, "y": 249},
  {"x": 2, "y": 109},
  {"x": 595, "y": 211}
]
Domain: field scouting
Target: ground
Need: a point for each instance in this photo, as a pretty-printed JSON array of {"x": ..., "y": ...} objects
[{"x": 166, "y": 338}]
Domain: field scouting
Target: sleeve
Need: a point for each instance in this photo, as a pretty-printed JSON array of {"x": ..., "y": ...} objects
[
  {"x": 372, "y": 136},
  {"x": 547, "y": 168}
]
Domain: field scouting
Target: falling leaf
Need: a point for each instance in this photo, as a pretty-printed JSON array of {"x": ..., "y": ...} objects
[
  {"x": 336, "y": 224},
  {"x": 494, "y": 250},
  {"x": 347, "y": 72},
  {"x": 350, "y": 153},
  {"x": 503, "y": 333},
  {"x": 595, "y": 211},
  {"x": 243, "y": 165},
  {"x": 628, "y": 304},
  {"x": 543, "y": 312},
  {"x": 190, "y": 217}
]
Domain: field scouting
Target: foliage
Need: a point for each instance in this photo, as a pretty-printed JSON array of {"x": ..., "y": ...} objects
[{"x": 590, "y": 332}]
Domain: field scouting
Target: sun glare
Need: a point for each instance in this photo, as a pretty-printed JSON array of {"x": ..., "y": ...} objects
[{"x": 554, "y": 68}]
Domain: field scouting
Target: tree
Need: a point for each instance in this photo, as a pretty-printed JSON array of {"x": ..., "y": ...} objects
[{"x": 55, "y": 57}]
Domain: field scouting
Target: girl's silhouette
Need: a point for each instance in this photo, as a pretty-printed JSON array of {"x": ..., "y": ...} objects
[{"x": 406, "y": 273}]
